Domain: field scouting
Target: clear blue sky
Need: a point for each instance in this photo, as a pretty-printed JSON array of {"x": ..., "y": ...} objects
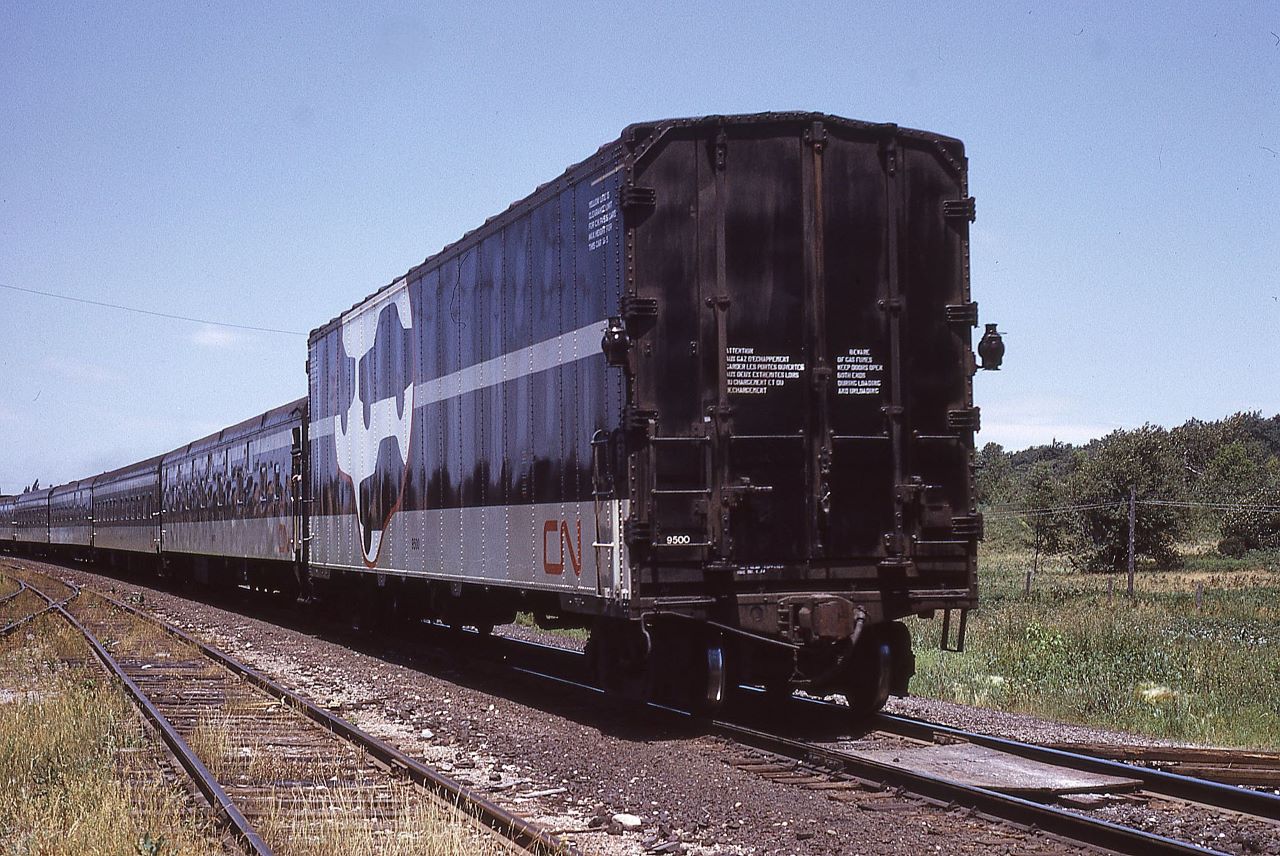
[{"x": 270, "y": 166}]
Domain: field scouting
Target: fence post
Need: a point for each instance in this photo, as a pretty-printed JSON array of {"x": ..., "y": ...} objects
[
  {"x": 1133, "y": 519},
  {"x": 1199, "y": 597}
]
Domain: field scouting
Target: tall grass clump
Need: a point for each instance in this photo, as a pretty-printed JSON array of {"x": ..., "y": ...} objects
[{"x": 77, "y": 772}]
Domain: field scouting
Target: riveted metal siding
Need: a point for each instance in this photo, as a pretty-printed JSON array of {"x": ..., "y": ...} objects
[
  {"x": 811, "y": 402},
  {"x": 469, "y": 456}
]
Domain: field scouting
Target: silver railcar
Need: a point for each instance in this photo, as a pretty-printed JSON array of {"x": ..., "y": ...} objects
[
  {"x": 126, "y": 503},
  {"x": 71, "y": 514},
  {"x": 33, "y": 517},
  {"x": 231, "y": 497}
]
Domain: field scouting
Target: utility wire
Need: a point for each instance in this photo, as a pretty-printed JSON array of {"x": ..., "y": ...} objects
[
  {"x": 1221, "y": 506},
  {"x": 1065, "y": 509},
  {"x": 1056, "y": 509},
  {"x": 151, "y": 312}
]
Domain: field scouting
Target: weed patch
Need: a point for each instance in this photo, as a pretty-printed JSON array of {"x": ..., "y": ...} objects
[
  {"x": 77, "y": 772},
  {"x": 1077, "y": 649}
]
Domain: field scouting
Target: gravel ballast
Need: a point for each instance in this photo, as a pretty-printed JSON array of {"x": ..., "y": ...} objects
[{"x": 607, "y": 781}]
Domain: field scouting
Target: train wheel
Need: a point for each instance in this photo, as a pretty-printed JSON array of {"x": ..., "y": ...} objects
[
  {"x": 688, "y": 669},
  {"x": 716, "y": 683},
  {"x": 870, "y": 676}
]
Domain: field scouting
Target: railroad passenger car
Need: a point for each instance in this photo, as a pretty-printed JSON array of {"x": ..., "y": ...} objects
[
  {"x": 126, "y": 519},
  {"x": 32, "y": 519},
  {"x": 230, "y": 506},
  {"x": 8, "y": 521},
  {"x": 71, "y": 517},
  {"x": 709, "y": 393}
]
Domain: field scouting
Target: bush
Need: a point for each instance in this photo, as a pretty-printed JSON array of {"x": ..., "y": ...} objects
[
  {"x": 1143, "y": 459},
  {"x": 1254, "y": 525}
]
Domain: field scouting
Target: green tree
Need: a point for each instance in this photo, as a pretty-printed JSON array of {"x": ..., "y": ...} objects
[
  {"x": 992, "y": 479},
  {"x": 1148, "y": 460},
  {"x": 1236, "y": 470},
  {"x": 1046, "y": 531},
  {"x": 1255, "y": 523}
]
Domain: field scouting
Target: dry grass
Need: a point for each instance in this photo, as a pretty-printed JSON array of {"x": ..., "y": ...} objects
[
  {"x": 7, "y": 585},
  {"x": 77, "y": 772},
  {"x": 314, "y": 807},
  {"x": 319, "y": 822},
  {"x": 15, "y": 608},
  {"x": 50, "y": 585}
]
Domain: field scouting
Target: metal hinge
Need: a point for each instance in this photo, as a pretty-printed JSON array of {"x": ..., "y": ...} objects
[
  {"x": 816, "y": 135},
  {"x": 965, "y": 419},
  {"x": 721, "y": 150},
  {"x": 639, "y": 420},
  {"x": 637, "y": 200},
  {"x": 637, "y": 532},
  {"x": 963, "y": 313},
  {"x": 889, "y": 148},
  {"x": 968, "y": 526},
  {"x": 634, "y": 308},
  {"x": 960, "y": 209}
]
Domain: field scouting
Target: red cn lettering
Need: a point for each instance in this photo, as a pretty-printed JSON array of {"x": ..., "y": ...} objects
[
  {"x": 574, "y": 559},
  {"x": 548, "y": 566},
  {"x": 566, "y": 544}
]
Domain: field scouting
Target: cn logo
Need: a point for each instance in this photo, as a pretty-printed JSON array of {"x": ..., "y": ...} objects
[
  {"x": 372, "y": 430},
  {"x": 557, "y": 543}
]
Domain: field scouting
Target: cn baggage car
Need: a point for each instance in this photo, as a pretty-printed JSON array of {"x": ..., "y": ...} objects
[{"x": 708, "y": 393}]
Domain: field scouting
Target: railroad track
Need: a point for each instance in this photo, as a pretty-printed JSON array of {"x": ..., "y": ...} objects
[
  {"x": 823, "y": 764},
  {"x": 273, "y": 766},
  {"x": 1171, "y": 789},
  {"x": 1165, "y": 783},
  {"x": 24, "y": 605},
  {"x": 1226, "y": 765}
]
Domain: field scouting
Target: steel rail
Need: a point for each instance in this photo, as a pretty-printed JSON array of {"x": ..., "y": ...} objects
[
  {"x": 22, "y": 622},
  {"x": 1216, "y": 794},
  {"x": 520, "y": 831},
  {"x": 1253, "y": 768},
  {"x": 1028, "y": 813},
  {"x": 49, "y": 606},
  {"x": 1077, "y": 827},
  {"x": 199, "y": 773},
  {"x": 5, "y": 598}
]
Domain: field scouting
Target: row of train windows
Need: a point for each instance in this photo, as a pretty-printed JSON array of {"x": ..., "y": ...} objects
[
  {"x": 121, "y": 508},
  {"x": 70, "y": 515},
  {"x": 220, "y": 491},
  {"x": 109, "y": 509}
]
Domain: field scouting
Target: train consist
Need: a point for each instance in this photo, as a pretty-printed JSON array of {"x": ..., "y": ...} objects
[{"x": 708, "y": 393}]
